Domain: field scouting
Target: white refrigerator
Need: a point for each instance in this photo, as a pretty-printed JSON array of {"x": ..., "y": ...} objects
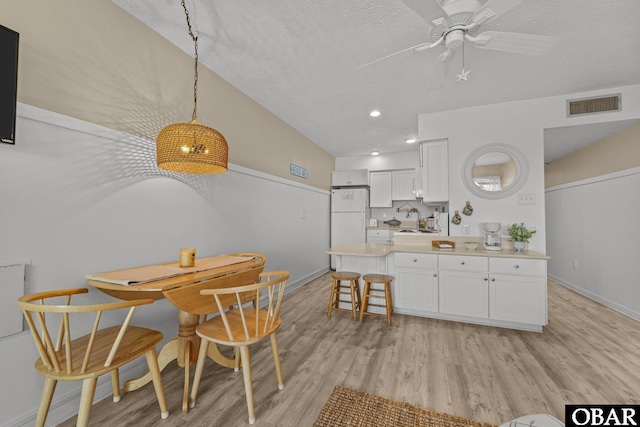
[{"x": 349, "y": 216}]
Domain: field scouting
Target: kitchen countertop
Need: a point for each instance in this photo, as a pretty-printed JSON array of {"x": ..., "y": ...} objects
[{"x": 422, "y": 244}]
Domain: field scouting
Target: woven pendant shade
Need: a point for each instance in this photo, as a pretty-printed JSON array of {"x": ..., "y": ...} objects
[{"x": 192, "y": 148}]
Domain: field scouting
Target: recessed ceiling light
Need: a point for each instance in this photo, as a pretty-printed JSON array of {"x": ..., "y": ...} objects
[
  {"x": 375, "y": 152},
  {"x": 410, "y": 140},
  {"x": 374, "y": 113}
]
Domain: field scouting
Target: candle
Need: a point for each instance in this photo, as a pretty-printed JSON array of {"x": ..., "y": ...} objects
[{"x": 187, "y": 257}]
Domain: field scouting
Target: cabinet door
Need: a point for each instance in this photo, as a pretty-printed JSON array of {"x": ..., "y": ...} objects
[
  {"x": 379, "y": 236},
  {"x": 403, "y": 185},
  {"x": 350, "y": 177},
  {"x": 416, "y": 290},
  {"x": 464, "y": 294},
  {"x": 359, "y": 177},
  {"x": 339, "y": 178},
  {"x": 435, "y": 173},
  {"x": 516, "y": 298},
  {"x": 380, "y": 190}
]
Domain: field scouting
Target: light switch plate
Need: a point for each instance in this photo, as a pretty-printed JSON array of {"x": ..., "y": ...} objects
[{"x": 526, "y": 199}]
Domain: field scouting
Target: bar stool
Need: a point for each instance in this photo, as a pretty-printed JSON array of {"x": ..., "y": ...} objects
[
  {"x": 337, "y": 290},
  {"x": 386, "y": 290}
]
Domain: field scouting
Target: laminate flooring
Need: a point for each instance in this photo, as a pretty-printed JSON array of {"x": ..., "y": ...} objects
[{"x": 587, "y": 354}]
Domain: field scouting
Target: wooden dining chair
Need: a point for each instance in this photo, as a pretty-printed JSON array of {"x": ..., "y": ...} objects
[
  {"x": 86, "y": 358},
  {"x": 245, "y": 323}
]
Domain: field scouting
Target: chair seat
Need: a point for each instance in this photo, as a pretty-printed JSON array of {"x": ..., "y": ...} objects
[
  {"x": 135, "y": 342},
  {"x": 214, "y": 330}
]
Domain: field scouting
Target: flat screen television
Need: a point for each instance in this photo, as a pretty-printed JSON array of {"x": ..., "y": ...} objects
[{"x": 8, "y": 83}]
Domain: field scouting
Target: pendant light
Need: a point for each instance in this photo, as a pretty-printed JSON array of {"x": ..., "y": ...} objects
[{"x": 192, "y": 148}]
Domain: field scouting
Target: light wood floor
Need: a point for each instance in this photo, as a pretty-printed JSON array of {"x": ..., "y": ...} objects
[{"x": 587, "y": 354}]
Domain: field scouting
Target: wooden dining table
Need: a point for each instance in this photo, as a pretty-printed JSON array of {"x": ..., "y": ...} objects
[{"x": 181, "y": 286}]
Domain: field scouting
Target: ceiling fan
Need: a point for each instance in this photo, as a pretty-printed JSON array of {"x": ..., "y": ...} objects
[{"x": 452, "y": 22}]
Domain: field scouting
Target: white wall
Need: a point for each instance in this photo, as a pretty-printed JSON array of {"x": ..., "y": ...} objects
[
  {"x": 593, "y": 238},
  {"x": 77, "y": 199},
  {"x": 520, "y": 124},
  {"x": 403, "y": 160}
]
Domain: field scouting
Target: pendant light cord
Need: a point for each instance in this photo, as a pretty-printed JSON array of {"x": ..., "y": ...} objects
[{"x": 195, "y": 66}]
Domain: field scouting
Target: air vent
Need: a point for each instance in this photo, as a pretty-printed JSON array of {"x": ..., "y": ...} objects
[{"x": 579, "y": 107}]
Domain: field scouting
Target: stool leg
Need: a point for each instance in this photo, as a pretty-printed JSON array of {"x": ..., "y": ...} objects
[
  {"x": 365, "y": 300},
  {"x": 352, "y": 287},
  {"x": 331, "y": 296},
  {"x": 388, "y": 303},
  {"x": 357, "y": 285}
]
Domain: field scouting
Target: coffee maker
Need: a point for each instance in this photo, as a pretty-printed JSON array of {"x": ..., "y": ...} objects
[{"x": 492, "y": 236}]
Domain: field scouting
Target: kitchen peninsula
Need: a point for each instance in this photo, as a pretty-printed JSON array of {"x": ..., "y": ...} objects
[{"x": 504, "y": 288}]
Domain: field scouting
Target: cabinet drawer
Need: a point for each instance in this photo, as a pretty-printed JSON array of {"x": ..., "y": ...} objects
[
  {"x": 412, "y": 260},
  {"x": 518, "y": 266},
  {"x": 379, "y": 233},
  {"x": 463, "y": 263}
]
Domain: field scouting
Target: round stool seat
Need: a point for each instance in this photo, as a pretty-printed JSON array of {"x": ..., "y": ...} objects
[
  {"x": 377, "y": 278},
  {"x": 344, "y": 275}
]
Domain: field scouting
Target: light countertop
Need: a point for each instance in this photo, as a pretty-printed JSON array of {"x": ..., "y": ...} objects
[{"x": 422, "y": 244}]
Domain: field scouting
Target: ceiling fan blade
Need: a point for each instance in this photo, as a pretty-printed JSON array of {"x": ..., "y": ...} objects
[
  {"x": 440, "y": 71},
  {"x": 525, "y": 44},
  {"x": 418, "y": 48},
  {"x": 493, "y": 9},
  {"x": 431, "y": 12}
]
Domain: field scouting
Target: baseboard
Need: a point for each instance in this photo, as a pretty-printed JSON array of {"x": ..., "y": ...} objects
[
  {"x": 598, "y": 298},
  {"x": 306, "y": 279}
]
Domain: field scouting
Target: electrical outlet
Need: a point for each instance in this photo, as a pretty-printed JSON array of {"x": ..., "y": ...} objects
[{"x": 526, "y": 199}]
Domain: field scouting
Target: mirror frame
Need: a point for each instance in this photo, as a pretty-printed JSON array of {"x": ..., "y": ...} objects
[{"x": 518, "y": 158}]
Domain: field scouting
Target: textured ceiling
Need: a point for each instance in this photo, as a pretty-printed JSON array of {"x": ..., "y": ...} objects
[{"x": 297, "y": 58}]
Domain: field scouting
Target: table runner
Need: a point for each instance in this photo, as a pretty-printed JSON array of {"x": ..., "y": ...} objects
[{"x": 150, "y": 273}]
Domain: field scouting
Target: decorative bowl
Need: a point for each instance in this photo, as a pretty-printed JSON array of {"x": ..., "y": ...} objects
[{"x": 471, "y": 246}]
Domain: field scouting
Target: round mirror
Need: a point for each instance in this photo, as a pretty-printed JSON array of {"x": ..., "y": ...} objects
[{"x": 494, "y": 171}]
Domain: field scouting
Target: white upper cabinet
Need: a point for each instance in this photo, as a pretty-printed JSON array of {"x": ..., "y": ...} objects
[
  {"x": 356, "y": 177},
  {"x": 435, "y": 172},
  {"x": 403, "y": 184},
  {"x": 380, "y": 190}
]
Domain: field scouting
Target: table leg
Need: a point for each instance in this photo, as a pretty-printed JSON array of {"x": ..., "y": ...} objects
[
  {"x": 168, "y": 354},
  {"x": 184, "y": 347}
]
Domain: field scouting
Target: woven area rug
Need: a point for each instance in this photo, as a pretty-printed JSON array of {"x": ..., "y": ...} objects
[{"x": 347, "y": 407}]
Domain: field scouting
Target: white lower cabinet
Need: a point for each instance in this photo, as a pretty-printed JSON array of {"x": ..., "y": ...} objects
[
  {"x": 507, "y": 292},
  {"x": 464, "y": 294},
  {"x": 518, "y": 290},
  {"x": 464, "y": 288},
  {"x": 416, "y": 283},
  {"x": 379, "y": 236}
]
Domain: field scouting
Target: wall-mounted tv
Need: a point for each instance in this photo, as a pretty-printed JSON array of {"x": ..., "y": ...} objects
[{"x": 8, "y": 83}]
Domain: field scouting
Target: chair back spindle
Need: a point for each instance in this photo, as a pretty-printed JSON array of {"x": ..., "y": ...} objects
[{"x": 251, "y": 317}]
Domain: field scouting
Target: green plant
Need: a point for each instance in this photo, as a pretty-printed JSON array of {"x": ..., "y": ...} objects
[{"x": 520, "y": 233}]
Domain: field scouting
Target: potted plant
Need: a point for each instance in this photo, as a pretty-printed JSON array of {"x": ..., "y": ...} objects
[{"x": 520, "y": 235}]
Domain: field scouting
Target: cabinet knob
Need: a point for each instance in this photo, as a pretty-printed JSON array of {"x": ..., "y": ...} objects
[
  {"x": 461, "y": 262},
  {"x": 415, "y": 260},
  {"x": 516, "y": 266},
  {"x": 493, "y": 279},
  {"x": 485, "y": 279},
  {"x": 435, "y": 275}
]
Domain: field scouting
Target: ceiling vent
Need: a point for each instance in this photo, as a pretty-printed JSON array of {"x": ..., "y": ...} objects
[{"x": 582, "y": 106}]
